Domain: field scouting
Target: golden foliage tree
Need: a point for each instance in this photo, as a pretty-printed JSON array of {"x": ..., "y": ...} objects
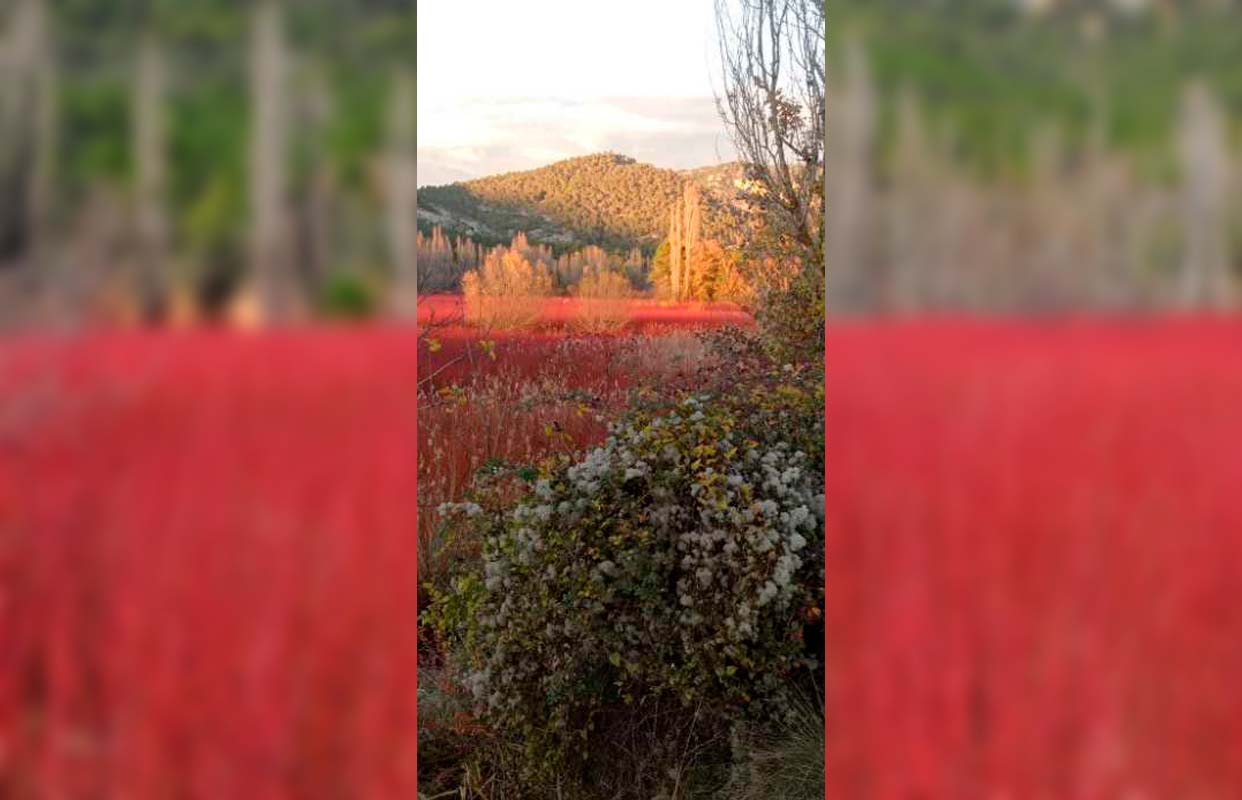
[
  {"x": 603, "y": 299},
  {"x": 506, "y": 291}
]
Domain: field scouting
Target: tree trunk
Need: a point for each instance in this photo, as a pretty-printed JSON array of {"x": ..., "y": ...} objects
[
  {"x": 1205, "y": 165},
  {"x": 850, "y": 143},
  {"x": 28, "y": 130},
  {"x": 149, "y": 153},
  {"x": 402, "y": 197},
  {"x": 268, "y": 179},
  {"x": 674, "y": 252}
]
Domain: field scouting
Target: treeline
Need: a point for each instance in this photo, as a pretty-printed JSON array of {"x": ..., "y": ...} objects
[
  {"x": 688, "y": 265},
  {"x": 1085, "y": 225},
  {"x": 994, "y": 72},
  {"x": 171, "y": 155},
  {"x": 443, "y": 262}
]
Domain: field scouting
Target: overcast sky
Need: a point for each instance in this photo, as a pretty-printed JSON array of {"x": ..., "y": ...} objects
[{"x": 506, "y": 85}]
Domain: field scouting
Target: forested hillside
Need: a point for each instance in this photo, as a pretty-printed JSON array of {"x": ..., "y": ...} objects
[{"x": 606, "y": 199}]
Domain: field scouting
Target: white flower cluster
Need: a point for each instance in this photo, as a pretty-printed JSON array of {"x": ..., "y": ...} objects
[
  {"x": 469, "y": 509},
  {"x": 587, "y": 474}
]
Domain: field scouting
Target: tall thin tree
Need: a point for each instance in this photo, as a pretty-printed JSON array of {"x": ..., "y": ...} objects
[
  {"x": 691, "y": 203},
  {"x": 268, "y": 172},
  {"x": 1205, "y": 167},
  {"x": 28, "y": 125},
  {"x": 674, "y": 251},
  {"x": 149, "y": 147},
  {"x": 851, "y": 189},
  {"x": 402, "y": 197}
]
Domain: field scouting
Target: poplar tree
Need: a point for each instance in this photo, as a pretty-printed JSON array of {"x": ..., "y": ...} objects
[
  {"x": 674, "y": 252},
  {"x": 692, "y": 211}
]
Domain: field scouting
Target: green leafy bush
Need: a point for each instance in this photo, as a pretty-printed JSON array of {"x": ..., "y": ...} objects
[
  {"x": 679, "y": 562},
  {"x": 348, "y": 296}
]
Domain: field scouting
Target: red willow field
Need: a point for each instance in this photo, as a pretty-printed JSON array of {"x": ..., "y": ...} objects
[
  {"x": 1035, "y": 548},
  {"x": 207, "y": 555},
  {"x": 517, "y": 396},
  {"x": 207, "y": 565}
]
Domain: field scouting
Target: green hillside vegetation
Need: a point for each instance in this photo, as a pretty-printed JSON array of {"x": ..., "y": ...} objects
[{"x": 604, "y": 199}]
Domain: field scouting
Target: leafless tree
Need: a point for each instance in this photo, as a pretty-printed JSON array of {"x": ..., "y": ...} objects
[{"x": 772, "y": 53}]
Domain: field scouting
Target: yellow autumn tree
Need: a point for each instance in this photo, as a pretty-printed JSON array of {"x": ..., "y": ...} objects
[
  {"x": 603, "y": 299},
  {"x": 506, "y": 291}
]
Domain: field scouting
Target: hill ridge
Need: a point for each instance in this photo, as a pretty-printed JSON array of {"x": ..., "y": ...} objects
[{"x": 608, "y": 199}]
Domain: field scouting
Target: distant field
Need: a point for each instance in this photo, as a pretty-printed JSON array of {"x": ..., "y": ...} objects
[
  {"x": 558, "y": 312},
  {"x": 517, "y": 396}
]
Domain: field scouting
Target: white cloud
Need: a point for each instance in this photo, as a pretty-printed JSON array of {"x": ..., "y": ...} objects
[
  {"x": 475, "y": 137},
  {"x": 544, "y": 80}
]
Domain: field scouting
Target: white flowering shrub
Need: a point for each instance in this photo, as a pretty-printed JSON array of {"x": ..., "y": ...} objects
[{"x": 680, "y": 560}]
